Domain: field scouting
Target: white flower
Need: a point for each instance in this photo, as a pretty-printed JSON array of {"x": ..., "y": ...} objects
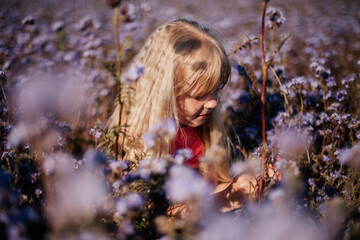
[
  {"x": 184, "y": 184},
  {"x": 116, "y": 185},
  {"x": 238, "y": 168},
  {"x": 351, "y": 155},
  {"x": 277, "y": 194},
  {"x": 128, "y": 202},
  {"x": 274, "y": 18},
  {"x": 57, "y": 26},
  {"x": 121, "y": 207},
  {"x": 145, "y": 6},
  {"x": 182, "y": 155},
  {"x": 77, "y": 199},
  {"x": 166, "y": 128},
  {"x": 134, "y": 72},
  {"x": 134, "y": 200},
  {"x": 291, "y": 143},
  {"x": 144, "y": 169},
  {"x": 117, "y": 166},
  {"x": 151, "y": 166},
  {"x": 149, "y": 139},
  {"x": 297, "y": 82},
  {"x": 158, "y": 166}
]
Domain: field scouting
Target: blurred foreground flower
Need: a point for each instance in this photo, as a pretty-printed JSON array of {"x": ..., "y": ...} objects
[
  {"x": 128, "y": 202},
  {"x": 283, "y": 222},
  {"x": 77, "y": 200},
  {"x": 148, "y": 167},
  {"x": 49, "y": 95},
  {"x": 185, "y": 184},
  {"x": 166, "y": 128},
  {"x": 181, "y": 155},
  {"x": 291, "y": 144},
  {"x": 133, "y": 73},
  {"x": 351, "y": 156},
  {"x": 41, "y": 103}
]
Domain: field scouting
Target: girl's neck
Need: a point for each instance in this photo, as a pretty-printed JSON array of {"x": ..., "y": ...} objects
[{"x": 186, "y": 126}]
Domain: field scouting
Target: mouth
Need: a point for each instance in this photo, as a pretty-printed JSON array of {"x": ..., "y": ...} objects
[{"x": 204, "y": 115}]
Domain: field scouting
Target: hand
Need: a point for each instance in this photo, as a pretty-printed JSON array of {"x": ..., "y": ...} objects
[{"x": 235, "y": 193}]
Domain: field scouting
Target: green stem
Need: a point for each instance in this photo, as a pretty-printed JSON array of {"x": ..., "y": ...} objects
[
  {"x": 118, "y": 74},
  {"x": 2, "y": 89},
  {"x": 301, "y": 108},
  {"x": 283, "y": 91},
  {"x": 264, "y": 72}
]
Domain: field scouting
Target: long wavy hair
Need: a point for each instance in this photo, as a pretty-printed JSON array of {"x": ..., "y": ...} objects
[{"x": 177, "y": 57}]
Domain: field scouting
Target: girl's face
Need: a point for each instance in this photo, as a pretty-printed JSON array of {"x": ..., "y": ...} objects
[{"x": 194, "y": 110}]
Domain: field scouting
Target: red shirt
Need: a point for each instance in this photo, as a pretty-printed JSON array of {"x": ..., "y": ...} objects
[{"x": 188, "y": 137}]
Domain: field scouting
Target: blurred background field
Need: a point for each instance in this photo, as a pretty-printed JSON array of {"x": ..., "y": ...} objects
[
  {"x": 327, "y": 31},
  {"x": 58, "y": 90}
]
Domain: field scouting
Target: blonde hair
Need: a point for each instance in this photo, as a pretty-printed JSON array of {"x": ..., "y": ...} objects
[{"x": 177, "y": 57}]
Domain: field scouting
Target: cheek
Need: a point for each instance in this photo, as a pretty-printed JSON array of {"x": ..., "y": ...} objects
[
  {"x": 189, "y": 107},
  {"x": 181, "y": 103},
  {"x": 192, "y": 107}
]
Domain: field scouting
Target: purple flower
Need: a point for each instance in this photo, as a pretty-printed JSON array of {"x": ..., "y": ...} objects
[
  {"x": 274, "y": 18},
  {"x": 331, "y": 82},
  {"x": 95, "y": 132},
  {"x": 282, "y": 118},
  {"x": 318, "y": 69},
  {"x": 38, "y": 192},
  {"x": 340, "y": 95},
  {"x": 311, "y": 182},
  {"x": 128, "y": 13},
  {"x": 326, "y": 158},
  {"x": 348, "y": 79}
]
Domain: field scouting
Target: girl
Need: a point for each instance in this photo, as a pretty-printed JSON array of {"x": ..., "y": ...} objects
[{"x": 185, "y": 68}]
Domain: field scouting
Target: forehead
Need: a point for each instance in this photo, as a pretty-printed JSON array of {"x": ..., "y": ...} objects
[
  {"x": 201, "y": 73},
  {"x": 200, "y": 65}
]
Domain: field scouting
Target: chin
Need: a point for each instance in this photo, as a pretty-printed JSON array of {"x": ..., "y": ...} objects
[{"x": 197, "y": 123}]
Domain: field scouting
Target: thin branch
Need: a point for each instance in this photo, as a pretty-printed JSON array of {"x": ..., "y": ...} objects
[
  {"x": 243, "y": 44},
  {"x": 278, "y": 48},
  {"x": 265, "y": 67},
  {"x": 282, "y": 90},
  {"x": 118, "y": 73}
]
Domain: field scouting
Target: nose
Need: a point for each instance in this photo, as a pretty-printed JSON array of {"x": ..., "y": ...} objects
[{"x": 210, "y": 103}]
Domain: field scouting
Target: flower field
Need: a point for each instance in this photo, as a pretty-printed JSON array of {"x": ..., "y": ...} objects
[{"x": 65, "y": 65}]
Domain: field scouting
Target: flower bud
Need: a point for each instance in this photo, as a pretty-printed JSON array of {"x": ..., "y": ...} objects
[
  {"x": 128, "y": 13},
  {"x": 113, "y": 3},
  {"x": 2, "y": 77}
]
